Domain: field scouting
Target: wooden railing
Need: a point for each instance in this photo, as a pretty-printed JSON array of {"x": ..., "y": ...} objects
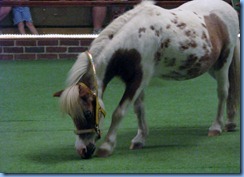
[
  {"x": 87, "y": 3},
  {"x": 79, "y": 18}
]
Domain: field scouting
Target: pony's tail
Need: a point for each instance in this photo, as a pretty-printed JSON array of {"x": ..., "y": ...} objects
[
  {"x": 233, "y": 100},
  {"x": 69, "y": 102}
]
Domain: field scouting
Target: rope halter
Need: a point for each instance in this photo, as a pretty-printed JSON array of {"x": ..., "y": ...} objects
[{"x": 98, "y": 108}]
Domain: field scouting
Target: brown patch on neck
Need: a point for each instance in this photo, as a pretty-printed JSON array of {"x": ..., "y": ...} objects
[
  {"x": 125, "y": 64},
  {"x": 219, "y": 38}
]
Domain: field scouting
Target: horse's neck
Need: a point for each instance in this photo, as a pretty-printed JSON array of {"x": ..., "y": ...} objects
[{"x": 113, "y": 28}]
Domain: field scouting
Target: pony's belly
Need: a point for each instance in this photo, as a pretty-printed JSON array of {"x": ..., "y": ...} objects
[
  {"x": 179, "y": 75},
  {"x": 177, "y": 69}
]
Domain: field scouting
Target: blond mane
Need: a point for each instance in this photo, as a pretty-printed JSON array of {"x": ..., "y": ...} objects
[{"x": 78, "y": 70}]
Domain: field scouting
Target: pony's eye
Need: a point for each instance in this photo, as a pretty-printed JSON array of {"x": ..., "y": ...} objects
[
  {"x": 84, "y": 98},
  {"x": 88, "y": 114}
]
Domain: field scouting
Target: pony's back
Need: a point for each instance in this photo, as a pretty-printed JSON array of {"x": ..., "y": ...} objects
[{"x": 206, "y": 7}]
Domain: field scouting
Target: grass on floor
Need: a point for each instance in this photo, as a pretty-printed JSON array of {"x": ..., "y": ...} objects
[{"x": 35, "y": 138}]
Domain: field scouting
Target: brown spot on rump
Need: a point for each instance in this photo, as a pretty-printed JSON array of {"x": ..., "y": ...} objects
[
  {"x": 110, "y": 36},
  {"x": 219, "y": 38},
  {"x": 188, "y": 33},
  {"x": 165, "y": 43},
  {"x": 204, "y": 36},
  {"x": 205, "y": 48},
  {"x": 181, "y": 25},
  {"x": 168, "y": 26},
  {"x": 126, "y": 64},
  {"x": 175, "y": 21},
  {"x": 141, "y": 30},
  {"x": 183, "y": 46},
  {"x": 158, "y": 32},
  {"x": 193, "y": 44},
  {"x": 187, "y": 44},
  {"x": 191, "y": 33}
]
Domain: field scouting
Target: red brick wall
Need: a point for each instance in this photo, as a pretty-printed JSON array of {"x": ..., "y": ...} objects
[{"x": 38, "y": 49}]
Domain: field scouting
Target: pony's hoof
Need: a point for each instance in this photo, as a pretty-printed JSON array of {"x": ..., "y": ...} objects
[
  {"x": 230, "y": 127},
  {"x": 214, "y": 133},
  {"x": 102, "y": 153},
  {"x": 134, "y": 146}
]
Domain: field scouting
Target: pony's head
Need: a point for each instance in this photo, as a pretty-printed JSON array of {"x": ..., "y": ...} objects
[{"x": 84, "y": 107}]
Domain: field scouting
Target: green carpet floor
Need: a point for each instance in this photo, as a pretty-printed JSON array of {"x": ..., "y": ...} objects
[{"x": 35, "y": 138}]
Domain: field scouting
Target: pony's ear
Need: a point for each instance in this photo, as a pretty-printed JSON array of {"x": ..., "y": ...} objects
[
  {"x": 84, "y": 91},
  {"x": 58, "y": 94}
]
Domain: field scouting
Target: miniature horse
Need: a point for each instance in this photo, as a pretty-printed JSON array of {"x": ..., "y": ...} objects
[{"x": 178, "y": 44}]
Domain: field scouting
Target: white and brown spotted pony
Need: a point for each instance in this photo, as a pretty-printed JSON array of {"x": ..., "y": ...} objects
[{"x": 183, "y": 43}]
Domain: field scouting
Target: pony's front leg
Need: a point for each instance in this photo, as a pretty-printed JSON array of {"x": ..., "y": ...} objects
[
  {"x": 108, "y": 146},
  {"x": 139, "y": 140}
]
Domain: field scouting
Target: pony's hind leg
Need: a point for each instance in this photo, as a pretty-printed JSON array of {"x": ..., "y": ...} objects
[
  {"x": 139, "y": 140},
  {"x": 222, "y": 90},
  {"x": 233, "y": 99},
  {"x": 222, "y": 77}
]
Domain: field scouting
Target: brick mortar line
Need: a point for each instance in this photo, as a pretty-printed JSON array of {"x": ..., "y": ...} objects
[{"x": 71, "y": 50}]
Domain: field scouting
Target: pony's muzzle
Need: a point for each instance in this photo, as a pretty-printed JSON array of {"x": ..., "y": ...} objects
[{"x": 86, "y": 153}]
